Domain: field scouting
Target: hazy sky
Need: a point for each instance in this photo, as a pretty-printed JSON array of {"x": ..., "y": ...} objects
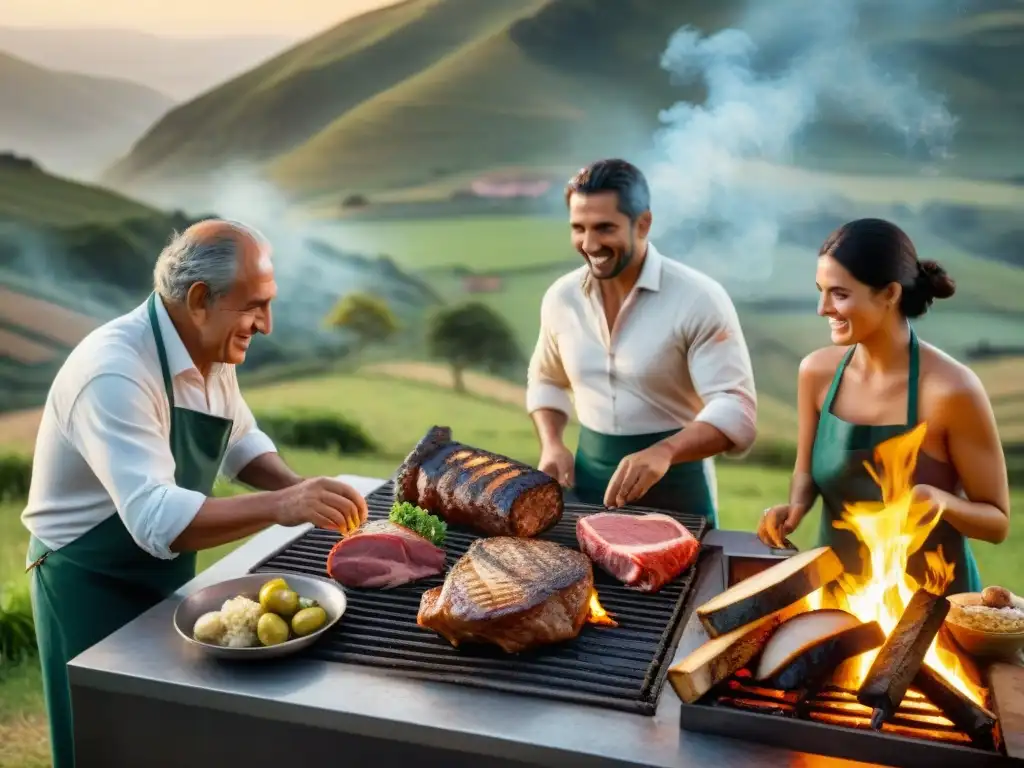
[{"x": 186, "y": 17}]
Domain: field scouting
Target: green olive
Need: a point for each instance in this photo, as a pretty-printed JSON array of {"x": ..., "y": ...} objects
[
  {"x": 308, "y": 620},
  {"x": 269, "y": 587},
  {"x": 272, "y": 629},
  {"x": 283, "y": 602}
]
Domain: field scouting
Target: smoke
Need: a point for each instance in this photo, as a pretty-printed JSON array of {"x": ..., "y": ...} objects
[
  {"x": 721, "y": 196},
  {"x": 312, "y": 270}
]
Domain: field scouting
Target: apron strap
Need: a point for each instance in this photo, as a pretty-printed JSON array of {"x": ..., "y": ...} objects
[
  {"x": 913, "y": 378},
  {"x": 160, "y": 350},
  {"x": 826, "y": 407}
]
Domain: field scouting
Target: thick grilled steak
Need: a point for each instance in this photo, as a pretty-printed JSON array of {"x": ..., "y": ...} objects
[
  {"x": 382, "y": 554},
  {"x": 515, "y": 593},
  {"x": 492, "y": 494}
]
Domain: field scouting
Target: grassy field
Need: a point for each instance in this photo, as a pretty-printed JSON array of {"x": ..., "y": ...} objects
[{"x": 399, "y": 403}]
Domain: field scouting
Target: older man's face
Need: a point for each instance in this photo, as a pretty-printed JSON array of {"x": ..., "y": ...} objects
[{"x": 245, "y": 311}]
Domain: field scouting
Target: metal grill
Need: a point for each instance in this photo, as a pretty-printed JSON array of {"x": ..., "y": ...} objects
[
  {"x": 833, "y": 723},
  {"x": 620, "y": 668}
]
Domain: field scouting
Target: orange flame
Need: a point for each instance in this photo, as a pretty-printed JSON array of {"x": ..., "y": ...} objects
[
  {"x": 598, "y": 615},
  {"x": 892, "y": 531}
]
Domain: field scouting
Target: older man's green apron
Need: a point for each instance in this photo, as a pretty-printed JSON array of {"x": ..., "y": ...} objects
[
  {"x": 684, "y": 488},
  {"x": 837, "y": 467},
  {"x": 91, "y": 587}
]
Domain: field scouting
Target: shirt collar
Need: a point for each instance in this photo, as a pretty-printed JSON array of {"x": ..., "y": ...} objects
[
  {"x": 178, "y": 359},
  {"x": 649, "y": 278}
]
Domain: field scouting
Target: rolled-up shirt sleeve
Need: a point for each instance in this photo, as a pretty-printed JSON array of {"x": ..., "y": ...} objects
[
  {"x": 547, "y": 385},
  {"x": 246, "y": 441},
  {"x": 113, "y": 424},
  {"x": 721, "y": 371}
]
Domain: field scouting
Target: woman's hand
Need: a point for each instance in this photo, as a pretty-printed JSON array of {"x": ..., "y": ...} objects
[{"x": 777, "y": 523}]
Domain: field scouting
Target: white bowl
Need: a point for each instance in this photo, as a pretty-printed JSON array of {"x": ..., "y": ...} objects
[{"x": 328, "y": 594}]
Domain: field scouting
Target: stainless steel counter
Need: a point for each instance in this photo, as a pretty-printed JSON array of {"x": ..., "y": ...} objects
[{"x": 142, "y": 697}]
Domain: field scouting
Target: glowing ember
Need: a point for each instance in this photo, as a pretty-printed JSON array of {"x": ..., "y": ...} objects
[
  {"x": 598, "y": 615},
  {"x": 892, "y": 531}
]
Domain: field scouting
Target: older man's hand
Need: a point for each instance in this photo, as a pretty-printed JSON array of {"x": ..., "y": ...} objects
[{"x": 325, "y": 502}]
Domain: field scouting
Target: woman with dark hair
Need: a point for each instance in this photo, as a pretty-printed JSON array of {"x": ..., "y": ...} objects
[{"x": 887, "y": 381}]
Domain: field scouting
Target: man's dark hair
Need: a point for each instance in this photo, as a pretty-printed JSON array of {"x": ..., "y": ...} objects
[{"x": 624, "y": 179}]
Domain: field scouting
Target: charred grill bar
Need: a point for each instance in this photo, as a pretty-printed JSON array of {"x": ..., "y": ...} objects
[{"x": 619, "y": 668}]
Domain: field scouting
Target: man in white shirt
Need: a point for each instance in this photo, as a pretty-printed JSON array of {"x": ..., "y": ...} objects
[
  {"x": 139, "y": 421},
  {"x": 650, "y": 350}
]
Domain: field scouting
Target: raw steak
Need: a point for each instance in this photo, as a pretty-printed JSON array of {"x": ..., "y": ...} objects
[
  {"x": 492, "y": 494},
  {"x": 382, "y": 554},
  {"x": 515, "y": 593},
  {"x": 641, "y": 551}
]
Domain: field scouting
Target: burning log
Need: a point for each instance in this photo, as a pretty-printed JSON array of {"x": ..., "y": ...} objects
[
  {"x": 805, "y": 651},
  {"x": 974, "y": 720},
  {"x": 902, "y": 655},
  {"x": 719, "y": 658},
  {"x": 770, "y": 591}
]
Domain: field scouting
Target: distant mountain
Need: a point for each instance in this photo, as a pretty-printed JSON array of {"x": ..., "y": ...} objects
[
  {"x": 182, "y": 67},
  {"x": 436, "y": 89},
  {"x": 73, "y": 124}
]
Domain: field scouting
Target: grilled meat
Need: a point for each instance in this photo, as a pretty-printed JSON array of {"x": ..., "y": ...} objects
[
  {"x": 512, "y": 592},
  {"x": 492, "y": 494},
  {"x": 382, "y": 554}
]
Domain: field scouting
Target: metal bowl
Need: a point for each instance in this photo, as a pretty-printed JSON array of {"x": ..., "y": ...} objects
[
  {"x": 328, "y": 594},
  {"x": 982, "y": 643}
]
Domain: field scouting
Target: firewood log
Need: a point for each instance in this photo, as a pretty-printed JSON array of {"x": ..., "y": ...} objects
[
  {"x": 805, "y": 651},
  {"x": 973, "y": 719},
  {"x": 718, "y": 658},
  {"x": 902, "y": 655},
  {"x": 769, "y": 591}
]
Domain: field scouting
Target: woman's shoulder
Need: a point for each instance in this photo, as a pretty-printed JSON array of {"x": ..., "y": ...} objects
[
  {"x": 822, "y": 363},
  {"x": 944, "y": 379}
]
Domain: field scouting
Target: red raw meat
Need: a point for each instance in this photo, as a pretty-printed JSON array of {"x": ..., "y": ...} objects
[
  {"x": 381, "y": 555},
  {"x": 642, "y": 551}
]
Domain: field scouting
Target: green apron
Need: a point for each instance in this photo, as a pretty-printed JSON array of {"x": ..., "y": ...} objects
[
  {"x": 93, "y": 586},
  {"x": 837, "y": 468},
  {"x": 684, "y": 488}
]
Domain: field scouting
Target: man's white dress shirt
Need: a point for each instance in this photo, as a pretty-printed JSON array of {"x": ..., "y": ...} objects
[
  {"x": 677, "y": 356},
  {"x": 103, "y": 446}
]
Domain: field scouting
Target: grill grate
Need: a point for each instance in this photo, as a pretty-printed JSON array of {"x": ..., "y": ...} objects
[
  {"x": 833, "y": 723},
  {"x": 620, "y": 668}
]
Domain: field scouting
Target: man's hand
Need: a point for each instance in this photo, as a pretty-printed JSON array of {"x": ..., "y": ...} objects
[
  {"x": 637, "y": 474},
  {"x": 323, "y": 501},
  {"x": 558, "y": 462}
]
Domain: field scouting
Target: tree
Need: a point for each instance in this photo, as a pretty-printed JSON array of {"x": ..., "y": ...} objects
[
  {"x": 471, "y": 335},
  {"x": 365, "y": 316}
]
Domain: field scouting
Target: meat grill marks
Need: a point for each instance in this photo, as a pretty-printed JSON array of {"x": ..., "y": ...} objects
[
  {"x": 514, "y": 593},
  {"x": 485, "y": 491},
  {"x": 621, "y": 669}
]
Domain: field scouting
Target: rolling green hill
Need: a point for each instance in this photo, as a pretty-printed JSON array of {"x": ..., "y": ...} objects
[
  {"x": 430, "y": 89},
  {"x": 71, "y": 123}
]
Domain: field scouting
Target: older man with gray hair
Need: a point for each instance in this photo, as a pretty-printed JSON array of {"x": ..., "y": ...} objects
[{"x": 139, "y": 421}]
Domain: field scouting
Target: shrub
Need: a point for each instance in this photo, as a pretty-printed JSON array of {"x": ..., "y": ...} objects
[
  {"x": 316, "y": 431},
  {"x": 17, "y": 629},
  {"x": 15, "y": 476}
]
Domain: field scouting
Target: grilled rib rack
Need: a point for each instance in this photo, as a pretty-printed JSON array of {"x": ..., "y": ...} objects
[{"x": 619, "y": 668}]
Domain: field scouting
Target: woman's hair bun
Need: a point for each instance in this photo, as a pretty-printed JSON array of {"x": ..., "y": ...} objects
[{"x": 934, "y": 279}]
